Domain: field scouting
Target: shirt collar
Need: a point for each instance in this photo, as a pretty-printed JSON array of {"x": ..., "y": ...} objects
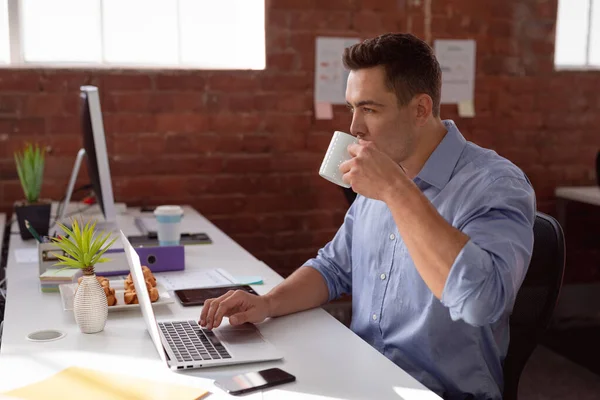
[{"x": 440, "y": 164}]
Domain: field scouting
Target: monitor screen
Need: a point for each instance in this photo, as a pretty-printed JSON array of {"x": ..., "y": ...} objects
[{"x": 94, "y": 144}]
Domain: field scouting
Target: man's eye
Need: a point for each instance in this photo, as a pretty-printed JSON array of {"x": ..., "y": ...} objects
[
  {"x": 351, "y": 109},
  {"x": 368, "y": 110}
]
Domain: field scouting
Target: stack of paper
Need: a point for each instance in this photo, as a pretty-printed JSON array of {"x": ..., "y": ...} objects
[
  {"x": 50, "y": 279},
  {"x": 204, "y": 278}
]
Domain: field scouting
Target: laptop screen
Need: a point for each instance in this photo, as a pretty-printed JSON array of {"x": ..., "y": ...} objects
[{"x": 133, "y": 259}]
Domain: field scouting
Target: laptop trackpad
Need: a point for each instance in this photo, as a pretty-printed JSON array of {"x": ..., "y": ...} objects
[{"x": 245, "y": 334}]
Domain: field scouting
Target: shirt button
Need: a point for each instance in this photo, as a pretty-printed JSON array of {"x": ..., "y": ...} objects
[
  {"x": 382, "y": 276},
  {"x": 392, "y": 236},
  {"x": 374, "y": 317}
]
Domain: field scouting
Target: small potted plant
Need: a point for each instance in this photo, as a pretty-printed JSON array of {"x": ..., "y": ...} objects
[
  {"x": 30, "y": 168},
  {"x": 84, "y": 249}
]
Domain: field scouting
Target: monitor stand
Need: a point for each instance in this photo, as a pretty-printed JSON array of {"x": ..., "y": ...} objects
[{"x": 101, "y": 223}]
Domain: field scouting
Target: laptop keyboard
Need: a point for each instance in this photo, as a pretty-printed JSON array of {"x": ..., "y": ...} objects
[{"x": 190, "y": 342}]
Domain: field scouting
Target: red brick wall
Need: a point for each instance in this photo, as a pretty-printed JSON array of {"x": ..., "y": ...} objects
[{"x": 244, "y": 148}]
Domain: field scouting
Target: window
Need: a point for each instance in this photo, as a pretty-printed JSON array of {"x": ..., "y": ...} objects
[
  {"x": 578, "y": 34},
  {"x": 206, "y": 34}
]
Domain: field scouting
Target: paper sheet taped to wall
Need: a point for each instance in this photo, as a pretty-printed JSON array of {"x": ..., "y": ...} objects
[
  {"x": 330, "y": 74},
  {"x": 457, "y": 60}
]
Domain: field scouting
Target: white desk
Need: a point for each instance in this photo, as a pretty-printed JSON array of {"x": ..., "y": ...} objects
[
  {"x": 582, "y": 194},
  {"x": 328, "y": 360}
]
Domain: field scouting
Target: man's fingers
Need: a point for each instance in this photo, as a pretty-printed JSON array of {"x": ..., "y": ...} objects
[
  {"x": 346, "y": 178},
  {"x": 345, "y": 169},
  {"x": 345, "y": 166},
  {"x": 204, "y": 312},
  {"x": 212, "y": 308},
  {"x": 225, "y": 308},
  {"x": 353, "y": 149}
]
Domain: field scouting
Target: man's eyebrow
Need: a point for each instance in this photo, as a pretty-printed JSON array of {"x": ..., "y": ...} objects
[{"x": 366, "y": 103}]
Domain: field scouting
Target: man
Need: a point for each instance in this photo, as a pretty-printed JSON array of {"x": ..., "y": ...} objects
[{"x": 436, "y": 245}]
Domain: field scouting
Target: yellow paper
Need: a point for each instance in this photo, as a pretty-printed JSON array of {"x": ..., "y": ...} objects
[{"x": 80, "y": 383}]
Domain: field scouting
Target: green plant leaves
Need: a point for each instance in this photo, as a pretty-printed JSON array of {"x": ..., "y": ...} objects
[
  {"x": 30, "y": 168},
  {"x": 84, "y": 248}
]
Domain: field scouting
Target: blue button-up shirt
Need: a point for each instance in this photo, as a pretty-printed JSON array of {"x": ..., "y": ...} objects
[{"x": 455, "y": 346}]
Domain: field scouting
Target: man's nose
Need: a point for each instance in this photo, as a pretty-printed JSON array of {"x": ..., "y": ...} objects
[{"x": 357, "y": 127}]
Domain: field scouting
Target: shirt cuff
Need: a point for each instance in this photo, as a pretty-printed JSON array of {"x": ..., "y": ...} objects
[
  {"x": 326, "y": 274},
  {"x": 467, "y": 273}
]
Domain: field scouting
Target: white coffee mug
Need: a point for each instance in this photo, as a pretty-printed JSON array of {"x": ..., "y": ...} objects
[
  {"x": 168, "y": 220},
  {"x": 336, "y": 154}
]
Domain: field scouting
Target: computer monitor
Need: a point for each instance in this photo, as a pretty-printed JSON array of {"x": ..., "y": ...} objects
[
  {"x": 94, "y": 144},
  {"x": 94, "y": 147}
]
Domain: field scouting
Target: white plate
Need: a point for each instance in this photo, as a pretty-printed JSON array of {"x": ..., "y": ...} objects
[{"x": 67, "y": 295}]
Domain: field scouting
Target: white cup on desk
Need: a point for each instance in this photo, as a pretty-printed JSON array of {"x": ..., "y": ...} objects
[
  {"x": 336, "y": 154},
  {"x": 168, "y": 221}
]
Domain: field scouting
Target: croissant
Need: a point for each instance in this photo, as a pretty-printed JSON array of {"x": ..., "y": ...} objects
[
  {"x": 148, "y": 277},
  {"x": 153, "y": 294},
  {"x": 151, "y": 280},
  {"x": 111, "y": 300},
  {"x": 129, "y": 284},
  {"x": 147, "y": 272},
  {"x": 130, "y": 297}
]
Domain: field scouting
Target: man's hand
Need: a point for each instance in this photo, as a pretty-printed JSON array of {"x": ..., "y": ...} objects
[
  {"x": 239, "y": 306},
  {"x": 371, "y": 172}
]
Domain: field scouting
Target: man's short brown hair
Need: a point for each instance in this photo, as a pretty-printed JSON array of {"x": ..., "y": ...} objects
[{"x": 410, "y": 65}]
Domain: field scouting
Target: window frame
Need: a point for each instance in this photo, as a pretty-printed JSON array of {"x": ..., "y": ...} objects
[
  {"x": 17, "y": 57},
  {"x": 578, "y": 67}
]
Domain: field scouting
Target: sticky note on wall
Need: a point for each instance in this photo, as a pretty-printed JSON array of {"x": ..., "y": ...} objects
[
  {"x": 466, "y": 109},
  {"x": 323, "y": 110}
]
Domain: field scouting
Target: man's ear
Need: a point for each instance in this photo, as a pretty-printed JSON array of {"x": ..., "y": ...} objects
[{"x": 423, "y": 107}]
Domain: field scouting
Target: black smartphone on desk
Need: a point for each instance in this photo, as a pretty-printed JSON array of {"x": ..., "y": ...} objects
[
  {"x": 252, "y": 381},
  {"x": 197, "y": 297}
]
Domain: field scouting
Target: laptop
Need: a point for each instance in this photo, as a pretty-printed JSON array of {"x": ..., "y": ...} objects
[{"x": 184, "y": 344}]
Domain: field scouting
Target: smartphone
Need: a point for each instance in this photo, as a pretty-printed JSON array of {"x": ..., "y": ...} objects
[
  {"x": 197, "y": 297},
  {"x": 252, "y": 381}
]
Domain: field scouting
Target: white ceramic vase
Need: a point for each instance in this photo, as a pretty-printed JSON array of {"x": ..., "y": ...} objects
[{"x": 90, "y": 305}]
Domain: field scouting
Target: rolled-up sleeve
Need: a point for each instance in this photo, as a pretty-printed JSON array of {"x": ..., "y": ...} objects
[
  {"x": 489, "y": 270},
  {"x": 334, "y": 260}
]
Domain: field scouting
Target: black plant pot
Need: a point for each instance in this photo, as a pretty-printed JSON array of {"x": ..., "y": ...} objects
[
  {"x": 38, "y": 216},
  {"x": 598, "y": 168}
]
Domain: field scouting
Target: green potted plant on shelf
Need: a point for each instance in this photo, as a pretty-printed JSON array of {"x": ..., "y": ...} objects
[
  {"x": 30, "y": 169},
  {"x": 83, "y": 248}
]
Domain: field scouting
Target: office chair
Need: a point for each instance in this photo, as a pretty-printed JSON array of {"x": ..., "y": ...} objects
[
  {"x": 536, "y": 299},
  {"x": 350, "y": 195}
]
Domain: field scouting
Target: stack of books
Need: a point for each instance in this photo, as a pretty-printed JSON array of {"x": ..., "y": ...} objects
[{"x": 50, "y": 279}]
